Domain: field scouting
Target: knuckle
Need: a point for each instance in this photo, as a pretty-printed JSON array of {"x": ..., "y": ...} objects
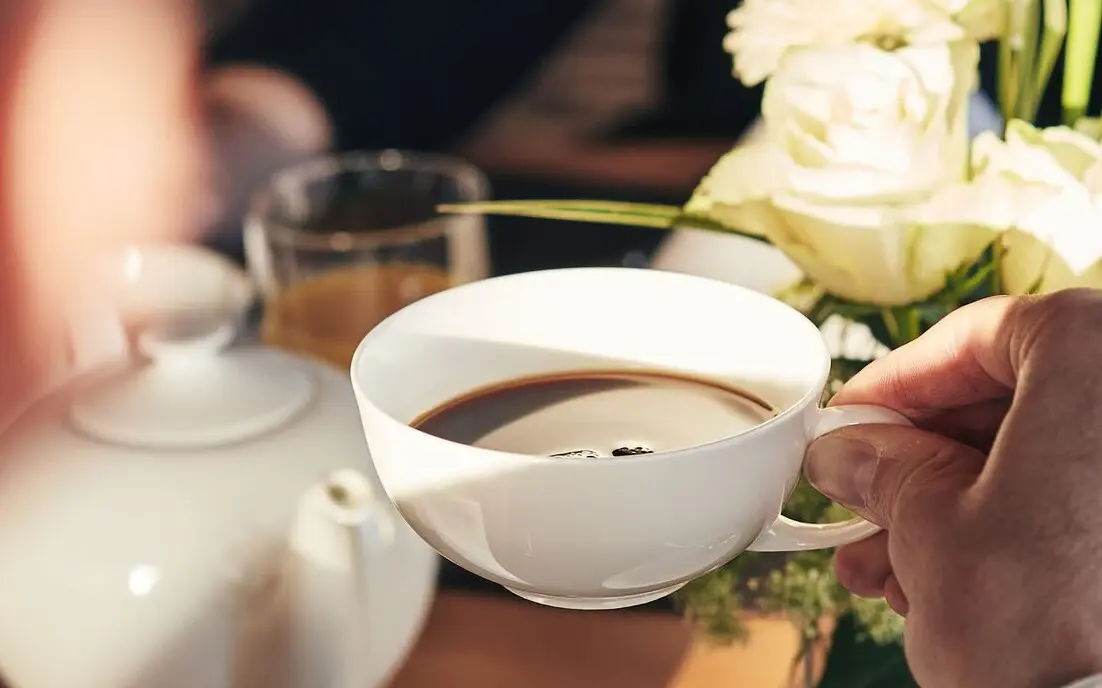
[
  {"x": 1067, "y": 303},
  {"x": 863, "y": 567},
  {"x": 1042, "y": 323},
  {"x": 919, "y": 487}
]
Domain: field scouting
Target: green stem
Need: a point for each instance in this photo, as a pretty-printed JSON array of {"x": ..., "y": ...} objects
[
  {"x": 1079, "y": 57},
  {"x": 1055, "y": 18},
  {"x": 821, "y": 311},
  {"x": 914, "y": 324},
  {"x": 1007, "y": 84},
  {"x": 686, "y": 221},
  {"x": 661, "y": 209},
  {"x": 892, "y": 325},
  {"x": 996, "y": 266},
  {"x": 811, "y": 635},
  {"x": 648, "y": 215},
  {"x": 801, "y": 661},
  {"x": 1031, "y": 25}
]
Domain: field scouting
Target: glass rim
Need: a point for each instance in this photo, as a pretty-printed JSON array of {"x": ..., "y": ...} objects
[{"x": 262, "y": 218}]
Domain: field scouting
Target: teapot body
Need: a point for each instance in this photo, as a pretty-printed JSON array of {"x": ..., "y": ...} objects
[{"x": 128, "y": 567}]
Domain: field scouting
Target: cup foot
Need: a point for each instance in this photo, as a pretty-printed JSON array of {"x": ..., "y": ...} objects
[{"x": 594, "y": 603}]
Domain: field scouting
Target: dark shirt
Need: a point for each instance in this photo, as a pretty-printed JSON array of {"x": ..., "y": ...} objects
[
  {"x": 414, "y": 74},
  {"x": 420, "y": 74}
]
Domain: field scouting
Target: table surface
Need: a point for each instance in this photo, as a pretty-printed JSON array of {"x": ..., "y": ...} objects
[{"x": 493, "y": 641}]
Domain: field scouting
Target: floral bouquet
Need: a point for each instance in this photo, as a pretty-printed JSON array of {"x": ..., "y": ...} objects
[{"x": 865, "y": 177}]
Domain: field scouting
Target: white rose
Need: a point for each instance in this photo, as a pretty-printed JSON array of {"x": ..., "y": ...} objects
[
  {"x": 763, "y": 32},
  {"x": 982, "y": 20},
  {"x": 856, "y": 138},
  {"x": 1043, "y": 188}
]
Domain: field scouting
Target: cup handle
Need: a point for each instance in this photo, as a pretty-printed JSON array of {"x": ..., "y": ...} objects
[{"x": 788, "y": 535}]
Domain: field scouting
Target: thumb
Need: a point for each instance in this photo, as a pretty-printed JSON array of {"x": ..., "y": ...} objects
[{"x": 892, "y": 475}]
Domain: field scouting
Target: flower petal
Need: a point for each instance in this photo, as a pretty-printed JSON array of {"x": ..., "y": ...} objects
[
  {"x": 1024, "y": 157},
  {"x": 851, "y": 252},
  {"x": 875, "y": 254},
  {"x": 982, "y": 20},
  {"x": 737, "y": 191},
  {"x": 1074, "y": 151},
  {"x": 763, "y": 32},
  {"x": 1070, "y": 224},
  {"x": 1029, "y": 265},
  {"x": 988, "y": 201}
]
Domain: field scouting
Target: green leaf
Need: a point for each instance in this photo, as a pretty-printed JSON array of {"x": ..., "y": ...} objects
[
  {"x": 805, "y": 590},
  {"x": 857, "y": 661},
  {"x": 878, "y": 620},
  {"x": 807, "y": 504},
  {"x": 898, "y": 325},
  {"x": 712, "y": 602}
]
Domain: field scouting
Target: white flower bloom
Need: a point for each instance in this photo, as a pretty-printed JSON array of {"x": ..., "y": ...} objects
[
  {"x": 763, "y": 32},
  {"x": 1043, "y": 188},
  {"x": 856, "y": 138},
  {"x": 982, "y": 20}
]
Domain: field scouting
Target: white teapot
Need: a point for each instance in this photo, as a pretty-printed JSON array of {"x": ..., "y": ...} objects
[{"x": 203, "y": 515}]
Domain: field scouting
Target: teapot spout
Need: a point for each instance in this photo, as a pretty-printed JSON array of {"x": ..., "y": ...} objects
[{"x": 339, "y": 527}]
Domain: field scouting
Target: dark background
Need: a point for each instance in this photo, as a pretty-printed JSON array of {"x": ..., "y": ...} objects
[{"x": 421, "y": 74}]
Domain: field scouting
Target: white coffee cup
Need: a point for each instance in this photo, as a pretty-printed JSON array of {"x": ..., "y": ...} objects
[{"x": 599, "y": 533}]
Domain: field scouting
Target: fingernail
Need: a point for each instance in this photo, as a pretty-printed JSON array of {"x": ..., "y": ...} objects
[{"x": 841, "y": 468}]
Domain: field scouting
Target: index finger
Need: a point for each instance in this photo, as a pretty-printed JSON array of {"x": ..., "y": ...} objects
[{"x": 968, "y": 358}]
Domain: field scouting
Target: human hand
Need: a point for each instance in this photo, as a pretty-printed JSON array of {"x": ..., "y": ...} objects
[
  {"x": 992, "y": 542},
  {"x": 106, "y": 122},
  {"x": 101, "y": 146}
]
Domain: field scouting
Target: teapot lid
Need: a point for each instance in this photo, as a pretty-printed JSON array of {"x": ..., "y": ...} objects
[{"x": 196, "y": 391}]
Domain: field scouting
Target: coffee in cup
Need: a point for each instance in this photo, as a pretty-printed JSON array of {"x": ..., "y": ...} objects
[{"x": 596, "y": 414}]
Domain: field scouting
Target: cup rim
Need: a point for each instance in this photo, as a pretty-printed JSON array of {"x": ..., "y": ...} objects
[
  {"x": 259, "y": 213},
  {"x": 791, "y": 410}
]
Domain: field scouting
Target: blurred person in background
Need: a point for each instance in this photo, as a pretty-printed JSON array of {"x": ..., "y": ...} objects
[
  {"x": 618, "y": 99},
  {"x": 627, "y": 99},
  {"x": 108, "y": 123},
  {"x": 127, "y": 121},
  {"x": 101, "y": 146}
]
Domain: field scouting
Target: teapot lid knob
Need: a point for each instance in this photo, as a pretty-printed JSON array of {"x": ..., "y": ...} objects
[
  {"x": 196, "y": 391},
  {"x": 185, "y": 338}
]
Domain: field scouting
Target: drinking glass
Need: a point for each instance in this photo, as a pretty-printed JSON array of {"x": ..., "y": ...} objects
[{"x": 339, "y": 243}]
